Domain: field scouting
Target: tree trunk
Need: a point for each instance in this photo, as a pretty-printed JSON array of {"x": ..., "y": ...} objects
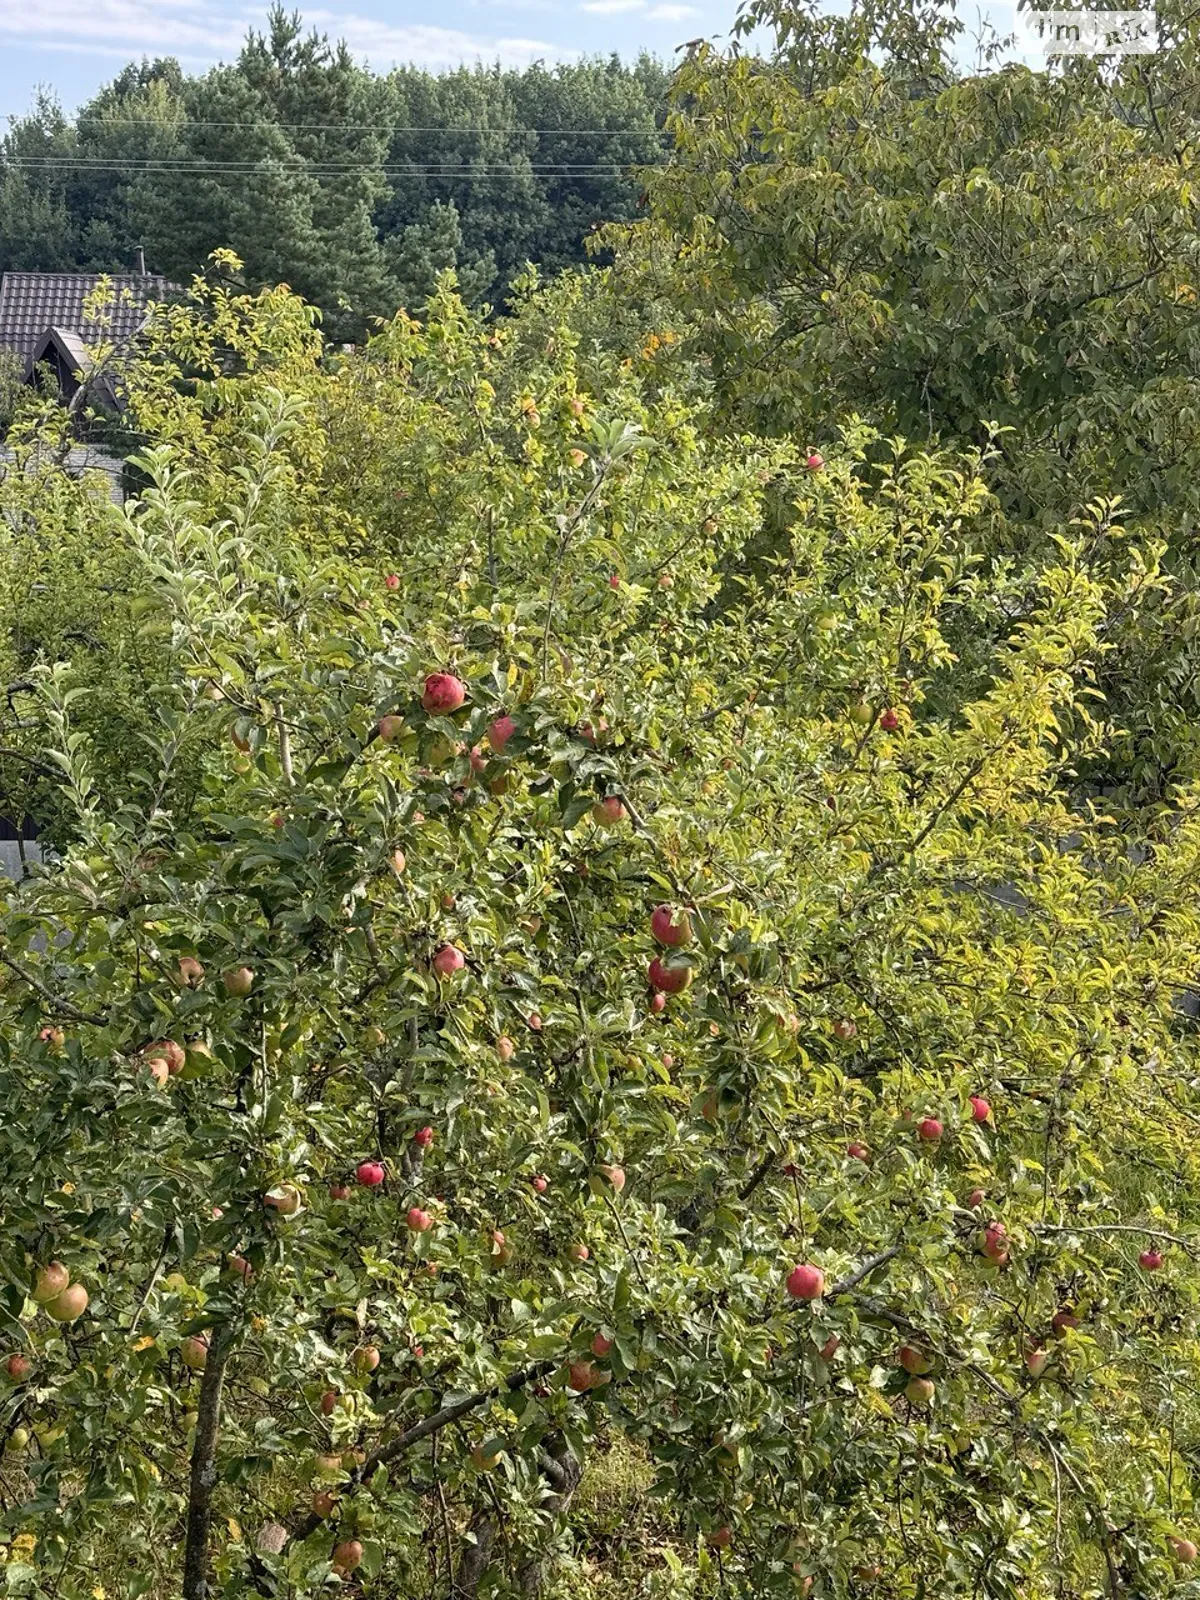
[
  {"x": 204, "y": 1465},
  {"x": 562, "y": 1471}
]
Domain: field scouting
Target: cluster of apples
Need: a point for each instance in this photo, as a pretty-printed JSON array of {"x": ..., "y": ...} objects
[
  {"x": 58, "y": 1297},
  {"x": 672, "y": 930}
]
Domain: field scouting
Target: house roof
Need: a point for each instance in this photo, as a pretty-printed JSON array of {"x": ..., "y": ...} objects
[{"x": 32, "y": 302}]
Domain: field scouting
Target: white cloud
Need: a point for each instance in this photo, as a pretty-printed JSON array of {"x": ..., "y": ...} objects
[
  {"x": 197, "y": 32},
  {"x": 671, "y": 13},
  {"x": 610, "y": 8}
]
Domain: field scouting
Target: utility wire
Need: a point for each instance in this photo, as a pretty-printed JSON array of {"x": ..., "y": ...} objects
[
  {"x": 326, "y": 169},
  {"x": 355, "y": 127}
]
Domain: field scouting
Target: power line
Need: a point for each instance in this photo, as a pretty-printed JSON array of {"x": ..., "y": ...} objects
[
  {"x": 363, "y": 127},
  {"x": 320, "y": 169}
]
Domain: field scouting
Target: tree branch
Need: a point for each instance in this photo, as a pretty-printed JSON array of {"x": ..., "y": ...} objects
[{"x": 204, "y": 1466}]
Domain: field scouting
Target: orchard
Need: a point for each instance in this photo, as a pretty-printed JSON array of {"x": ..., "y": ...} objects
[{"x": 482, "y": 1027}]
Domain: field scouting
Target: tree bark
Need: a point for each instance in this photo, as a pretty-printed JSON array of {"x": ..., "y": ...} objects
[
  {"x": 204, "y": 1465},
  {"x": 563, "y": 1469}
]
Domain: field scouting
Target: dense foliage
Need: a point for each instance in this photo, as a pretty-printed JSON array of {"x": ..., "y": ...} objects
[
  {"x": 611, "y": 1012},
  {"x": 355, "y": 189}
]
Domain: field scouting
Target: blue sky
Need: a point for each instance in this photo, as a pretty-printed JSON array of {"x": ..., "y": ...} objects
[{"x": 73, "y": 46}]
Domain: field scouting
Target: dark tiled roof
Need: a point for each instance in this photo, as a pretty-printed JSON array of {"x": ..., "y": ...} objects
[{"x": 31, "y": 302}]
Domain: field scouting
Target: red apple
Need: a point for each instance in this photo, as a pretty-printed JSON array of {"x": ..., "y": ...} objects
[
  {"x": 241, "y": 1268},
  {"x": 615, "y": 1176},
  {"x": 390, "y": 727},
  {"x": 658, "y": 1003},
  {"x": 505, "y": 1047},
  {"x": 323, "y": 1504},
  {"x": 1183, "y": 1551},
  {"x": 392, "y": 581},
  {"x": 448, "y": 960},
  {"x": 1150, "y": 1260},
  {"x": 1036, "y": 1360},
  {"x": 329, "y": 1402},
  {"x": 69, "y": 1305},
  {"x": 601, "y": 1346},
  {"x": 193, "y": 1352},
  {"x": 830, "y": 1348},
  {"x": 423, "y": 1138},
  {"x": 980, "y": 1109},
  {"x": 364, "y": 1359},
  {"x": 930, "y": 1129},
  {"x": 238, "y": 981},
  {"x": 814, "y": 461},
  {"x": 844, "y": 1029},
  {"x": 609, "y": 811},
  {"x": 669, "y": 978},
  {"x": 889, "y": 721},
  {"x": 540, "y": 1184},
  {"x": 720, "y": 1538},
  {"x": 50, "y": 1283},
  {"x": 370, "y": 1174},
  {"x": 443, "y": 693},
  {"x": 578, "y": 1252},
  {"x": 535, "y": 1021},
  {"x": 339, "y": 1191},
  {"x": 806, "y": 1283},
  {"x": 347, "y": 1556},
  {"x": 418, "y": 1221},
  {"x": 581, "y": 1376},
  {"x": 18, "y": 1367},
  {"x": 614, "y": 581},
  {"x": 170, "y": 1052},
  {"x": 919, "y": 1391},
  {"x": 191, "y": 973},
  {"x": 669, "y": 929},
  {"x": 914, "y": 1361},
  {"x": 975, "y": 1199},
  {"x": 500, "y": 732},
  {"x": 1062, "y": 1320},
  {"x": 858, "y": 1151}
]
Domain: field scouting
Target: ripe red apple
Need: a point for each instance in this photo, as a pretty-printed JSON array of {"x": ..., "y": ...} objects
[
  {"x": 443, "y": 693},
  {"x": 658, "y": 1003},
  {"x": 540, "y": 1184},
  {"x": 392, "y": 581},
  {"x": 889, "y": 721},
  {"x": 1062, "y": 1320},
  {"x": 69, "y": 1305},
  {"x": 505, "y": 1048},
  {"x": 919, "y": 1391},
  {"x": 1183, "y": 1551},
  {"x": 806, "y": 1283},
  {"x": 448, "y": 960},
  {"x": 1036, "y": 1360},
  {"x": 669, "y": 978},
  {"x": 980, "y": 1109},
  {"x": 830, "y": 1348},
  {"x": 858, "y": 1151},
  {"x": 669, "y": 929},
  {"x": 339, "y": 1191},
  {"x": 614, "y": 581},
  {"x": 609, "y": 811},
  {"x": 50, "y": 1283},
  {"x": 581, "y": 1376},
  {"x": 500, "y": 732},
  {"x": 364, "y": 1359},
  {"x": 914, "y": 1361},
  {"x": 814, "y": 461},
  {"x": 323, "y": 1504},
  {"x": 241, "y": 1268},
  {"x": 399, "y": 862},
  {"x": 578, "y": 1252},
  {"x": 18, "y": 1367},
  {"x": 390, "y": 727},
  {"x": 601, "y": 1346},
  {"x": 1150, "y": 1260},
  {"x": 370, "y": 1174},
  {"x": 615, "y": 1176},
  {"x": 418, "y": 1221},
  {"x": 720, "y": 1538},
  {"x": 423, "y": 1138},
  {"x": 668, "y": 1061},
  {"x": 535, "y": 1021},
  {"x": 975, "y": 1199},
  {"x": 238, "y": 981},
  {"x": 844, "y": 1029},
  {"x": 347, "y": 1556},
  {"x": 193, "y": 1352},
  {"x": 929, "y": 1129},
  {"x": 173, "y": 1054},
  {"x": 191, "y": 973}
]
